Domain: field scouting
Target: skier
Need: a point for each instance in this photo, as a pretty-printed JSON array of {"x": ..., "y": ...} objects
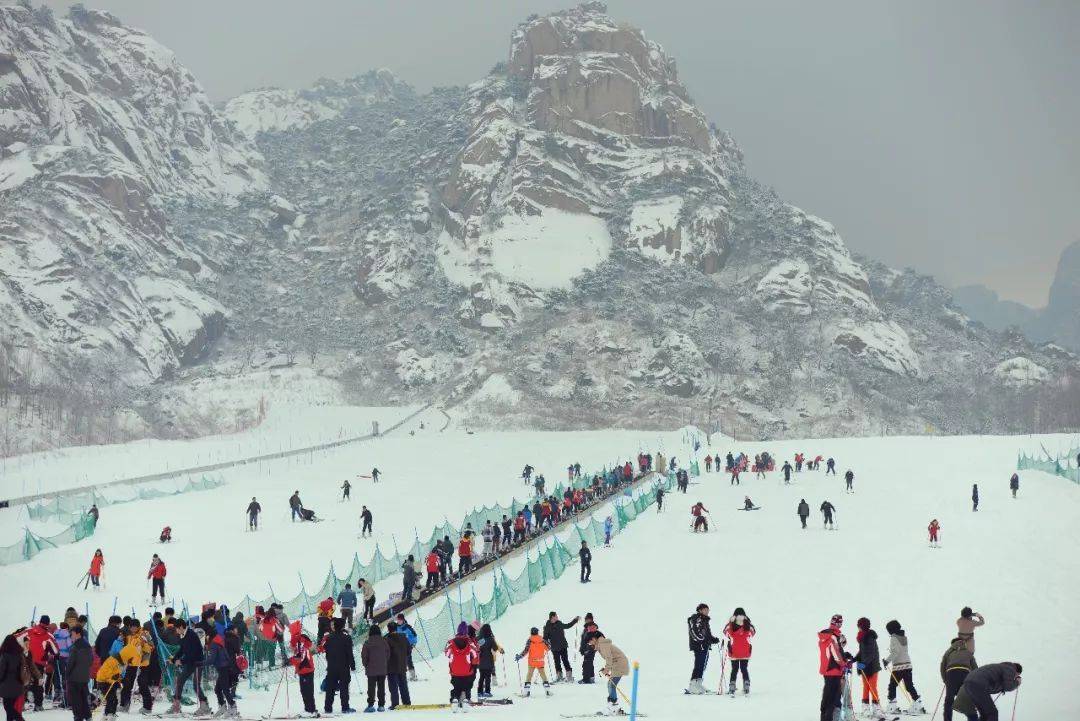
[
  {"x": 615, "y": 667},
  {"x": 786, "y": 468},
  {"x": 76, "y": 673},
  {"x": 465, "y": 554},
  {"x": 97, "y": 567},
  {"x": 849, "y": 481},
  {"x": 701, "y": 641},
  {"x": 253, "y": 511},
  {"x": 708, "y": 464},
  {"x": 967, "y": 623},
  {"x": 156, "y": 574},
  {"x": 1014, "y": 484},
  {"x": 406, "y": 630},
  {"x": 222, "y": 657},
  {"x": 368, "y": 592},
  {"x": 974, "y": 496},
  {"x": 828, "y": 509},
  {"x": 900, "y": 660},
  {"x": 748, "y": 505},
  {"x": 738, "y": 632},
  {"x": 535, "y": 650},
  {"x": 397, "y": 666},
  {"x": 408, "y": 579},
  {"x": 555, "y": 638},
  {"x": 526, "y": 473},
  {"x": 833, "y": 664},
  {"x": 375, "y": 473},
  {"x": 340, "y": 663},
  {"x": 956, "y": 664},
  {"x": 586, "y": 562},
  {"x": 799, "y": 461},
  {"x": 345, "y": 488},
  {"x": 735, "y": 476},
  {"x": 975, "y": 699},
  {"x": 365, "y": 521},
  {"x": 43, "y": 650},
  {"x": 295, "y": 504},
  {"x": 933, "y": 529},
  {"x": 347, "y": 600},
  {"x": 830, "y": 466},
  {"x": 659, "y": 499},
  {"x": 589, "y": 629},
  {"x": 375, "y": 656},
  {"x": 698, "y": 511},
  {"x": 868, "y": 664},
  {"x": 488, "y": 648},
  {"x": 803, "y": 511},
  {"x": 108, "y": 678},
  {"x": 166, "y": 535},
  {"x": 463, "y": 657},
  {"x": 609, "y": 527}
]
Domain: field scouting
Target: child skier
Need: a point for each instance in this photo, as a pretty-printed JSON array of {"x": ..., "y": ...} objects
[
  {"x": 868, "y": 664},
  {"x": 536, "y": 649},
  {"x": 900, "y": 660}
]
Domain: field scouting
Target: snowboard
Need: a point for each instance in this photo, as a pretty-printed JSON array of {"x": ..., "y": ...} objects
[
  {"x": 599, "y": 713},
  {"x": 755, "y": 508}
]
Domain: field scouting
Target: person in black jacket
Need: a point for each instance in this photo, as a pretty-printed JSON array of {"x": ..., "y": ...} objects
[
  {"x": 975, "y": 699},
  {"x": 77, "y": 674},
  {"x": 586, "y": 562},
  {"x": 12, "y": 660},
  {"x": 588, "y": 653},
  {"x": 190, "y": 658},
  {"x": 555, "y": 635},
  {"x": 974, "y": 496},
  {"x": 868, "y": 664},
  {"x": 340, "y": 663},
  {"x": 106, "y": 636},
  {"x": 253, "y": 511},
  {"x": 397, "y": 667},
  {"x": 701, "y": 640},
  {"x": 803, "y": 511}
]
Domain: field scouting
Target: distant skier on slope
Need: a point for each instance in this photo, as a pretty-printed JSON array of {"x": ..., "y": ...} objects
[
  {"x": 786, "y": 468},
  {"x": 803, "y": 511},
  {"x": 933, "y": 530},
  {"x": 156, "y": 574},
  {"x": 253, "y": 511},
  {"x": 828, "y": 509},
  {"x": 698, "y": 511},
  {"x": 974, "y": 496},
  {"x": 345, "y": 488},
  {"x": 830, "y": 466},
  {"x": 708, "y": 464},
  {"x": 365, "y": 521},
  {"x": 1014, "y": 484},
  {"x": 659, "y": 499},
  {"x": 748, "y": 505},
  {"x": 526, "y": 473},
  {"x": 849, "y": 481},
  {"x": 586, "y": 562},
  {"x": 375, "y": 473}
]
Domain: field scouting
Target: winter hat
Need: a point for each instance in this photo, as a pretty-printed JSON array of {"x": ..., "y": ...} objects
[
  {"x": 533, "y": 631},
  {"x": 45, "y": 621},
  {"x": 863, "y": 624},
  {"x": 462, "y": 628},
  {"x": 837, "y": 620},
  {"x": 893, "y": 627},
  {"x": 475, "y": 625}
]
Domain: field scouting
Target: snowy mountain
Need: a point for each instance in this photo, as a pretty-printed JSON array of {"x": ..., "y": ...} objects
[{"x": 564, "y": 242}]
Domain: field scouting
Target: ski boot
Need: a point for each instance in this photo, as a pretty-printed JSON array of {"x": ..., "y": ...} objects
[
  {"x": 547, "y": 689},
  {"x": 146, "y": 712},
  {"x": 731, "y": 688},
  {"x": 203, "y": 710},
  {"x": 696, "y": 688},
  {"x": 612, "y": 709},
  {"x": 893, "y": 707},
  {"x": 221, "y": 712},
  {"x": 874, "y": 711},
  {"x": 412, "y": 675},
  {"x": 917, "y": 707},
  {"x": 746, "y": 687},
  {"x": 558, "y": 677},
  {"x": 569, "y": 676},
  {"x": 528, "y": 690},
  {"x": 175, "y": 708}
]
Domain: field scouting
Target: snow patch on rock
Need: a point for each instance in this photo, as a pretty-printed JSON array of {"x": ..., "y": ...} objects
[
  {"x": 1020, "y": 372},
  {"x": 881, "y": 343}
]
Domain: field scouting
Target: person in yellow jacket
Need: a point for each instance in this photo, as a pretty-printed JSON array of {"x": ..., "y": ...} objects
[
  {"x": 138, "y": 640},
  {"x": 110, "y": 675}
]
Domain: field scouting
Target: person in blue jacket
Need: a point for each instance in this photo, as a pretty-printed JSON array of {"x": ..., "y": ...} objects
[{"x": 347, "y": 601}]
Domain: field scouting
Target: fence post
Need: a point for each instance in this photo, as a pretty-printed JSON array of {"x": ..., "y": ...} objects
[{"x": 633, "y": 692}]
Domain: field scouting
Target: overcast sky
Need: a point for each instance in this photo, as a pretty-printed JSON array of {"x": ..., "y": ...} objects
[{"x": 940, "y": 135}]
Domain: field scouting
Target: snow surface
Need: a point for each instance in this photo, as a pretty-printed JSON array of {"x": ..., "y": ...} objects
[
  {"x": 1020, "y": 372},
  {"x": 789, "y": 580}
]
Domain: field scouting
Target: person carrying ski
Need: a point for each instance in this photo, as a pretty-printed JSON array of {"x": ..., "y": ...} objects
[
  {"x": 295, "y": 504},
  {"x": 803, "y": 511},
  {"x": 340, "y": 663},
  {"x": 253, "y": 511},
  {"x": 786, "y": 468},
  {"x": 345, "y": 488},
  {"x": 833, "y": 663},
  {"x": 701, "y": 641},
  {"x": 975, "y": 699},
  {"x": 738, "y": 632},
  {"x": 1014, "y": 484},
  {"x": 555, "y": 637},
  {"x": 967, "y": 623},
  {"x": 156, "y": 574},
  {"x": 585, "y": 556},
  {"x": 827, "y": 510},
  {"x": 375, "y": 656},
  {"x": 97, "y": 567},
  {"x": 868, "y": 664},
  {"x": 933, "y": 529},
  {"x": 900, "y": 660},
  {"x": 849, "y": 481},
  {"x": 347, "y": 600},
  {"x": 698, "y": 511},
  {"x": 974, "y": 496},
  {"x": 616, "y": 666},
  {"x": 365, "y": 521},
  {"x": 956, "y": 664}
]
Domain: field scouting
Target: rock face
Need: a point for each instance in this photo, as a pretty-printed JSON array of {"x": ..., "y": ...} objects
[
  {"x": 1060, "y": 320},
  {"x": 101, "y": 129}
]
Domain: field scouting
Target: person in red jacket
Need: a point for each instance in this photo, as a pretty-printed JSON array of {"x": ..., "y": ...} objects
[
  {"x": 698, "y": 511},
  {"x": 304, "y": 665},
  {"x": 43, "y": 651},
  {"x": 432, "y": 565},
  {"x": 464, "y": 550},
  {"x": 834, "y": 662},
  {"x": 97, "y": 565},
  {"x": 156, "y": 574},
  {"x": 628, "y": 471},
  {"x": 463, "y": 658},
  {"x": 933, "y": 529},
  {"x": 738, "y": 632}
]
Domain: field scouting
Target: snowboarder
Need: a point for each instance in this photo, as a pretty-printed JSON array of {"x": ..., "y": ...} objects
[
  {"x": 345, "y": 488},
  {"x": 295, "y": 505},
  {"x": 833, "y": 663},
  {"x": 698, "y": 511},
  {"x": 253, "y": 511},
  {"x": 536, "y": 649},
  {"x": 616, "y": 666},
  {"x": 786, "y": 468},
  {"x": 748, "y": 505},
  {"x": 900, "y": 660},
  {"x": 586, "y": 562},
  {"x": 803, "y": 511},
  {"x": 828, "y": 509},
  {"x": 849, "y": 481},
  {"x": 701, "y": 641},
  {"x": 738, "y": 632},
  {"x": 375, "y": 473},
  {"x": 347, "y": 600},
  {"x": 97, "y": 567},
  {"x": 1014, "y": 484},
  {"x": 956, "y": 664},
  {"x": 975, "y": 699},
  {"x": 933, "y": 529},
  {"x": 555, "y": 638},
  {"x": 156, "y": 574},
  {"x": 659, "y": 499},
  {"x": 868, "y": 664},
  {"x": 974, "y": 496},
  {"x": 830, "y": 467},
  {"x": 967, "y": 623},
  {"x": 365, "y": 522}
]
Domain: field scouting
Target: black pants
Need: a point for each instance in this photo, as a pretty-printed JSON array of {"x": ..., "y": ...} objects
[
  {"x": 195, "y": 674},
  {"x": 588, "y": 673},
  {"x": 830, "y": 696},
  {"x": 253, "y": 521},
  {"x": 339, "y": 682},
  {"x": 701, "y": 659},
  {"x": 803, "y": 519},
  {"x": 464, "y": 565},
  {"x": 458, "y": 687},
  {"x": 562, "y": 661},
  {"x": 110, "y": 693},
  {"x": 904, "y": 677},
  {"x": 307, "y": 691},
  {"x": 369, "y": 607},
  {"x": 366, "y": 528},
  {"x": 224, "y": 688},
  {"x": 347, "y": 613},
  {"x": 974, "y": 504},
  {"x": 140, "y": 676},
  {"x": 586, "y": 571},
  {"x": 737, "y": 665},
  {"x": 37, "y": 689},
  {"x": 828, "y": 519},
  {"x": 432, "y": 580},
  {"x": 407, "y": 591},
  {"x": 485, "y": 680},
  {"x": 399, "y": 689},
  {"x": 79, "y": 698},
  {"x": 376, "y": 690},
  {"x": 157, "y": 588},
  {"x": 954, "y": 679},
  {"x": 849, "y": 485}
]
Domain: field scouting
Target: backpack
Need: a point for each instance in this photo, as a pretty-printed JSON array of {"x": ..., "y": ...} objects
[{"x": 241, "y": 662}]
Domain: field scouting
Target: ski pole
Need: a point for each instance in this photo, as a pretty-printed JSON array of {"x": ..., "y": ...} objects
[
  {"x": 284, "y": 669},
  {"x": 518, "y": 663},
  {"x": 1015, "y": 699},
  {"x": 941, "y": 696},
  {"x": 902, "y": 686},
  {"x": 85, "y": 577}
]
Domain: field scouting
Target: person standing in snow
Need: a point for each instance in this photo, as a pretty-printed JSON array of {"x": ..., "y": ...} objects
[
  {"x": 1014, "y": 484},
  {"x": 156, "y": 574},
  {"x": 868, "y": 664},
  {"x": 365, "y": 522},
  {"x": 827, "y": 510},
  {"x": 698, "y": 511},
  {"x": 956, "y": 664},
  {"x": 967, "y": 623},
  {"x": 375, "y": 656},
  {"x": 974, "y": 496},
  {"x": 536, "y": 649},
  {"x": 803, "y": 511},
  {"x": 488, "y": 647},
  {"x": 295, "y": 504},
  {"x": 465, "y": 554},
  {"x": 659, "y": 499},
  {"x": 833, "y": 663},
  {"x": 849, "y": 481},
  {"x": 340, "y": 663},
  {"x": 463, "y": 658},
  {"x": 408, "y": 579},
  {"x": 368, "y": 593},
  {"x": 97, "y": 567},
  {"x": 347, "y": 600},
  {"x": 701, "y": 641},
  {"x": 975, "y": 699},
  {"x": 738, "y": 632},
  {"x": 345, "y": 488},
  {"x": 555, "y": 637},
  {"x": 830, "y": 467},
  {"x": 585, "y": 555},
  {"x": 786, "y": 468},
  {"x": 253, "y": 511},
  {"x": 933, "y": 529},
  {"x": 900, "y": 660},
  {"x": 708, "y": 464},
  {"x": 375, "y": 473},
  {"x": 609, "y": 527},
  {"x": 589, "y": 628},
  {"x": 397, "y": 667},
  {"x": 616, "y": 666}
]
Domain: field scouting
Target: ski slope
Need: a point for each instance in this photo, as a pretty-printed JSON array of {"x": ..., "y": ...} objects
[{"x": 1015, "y": 561}]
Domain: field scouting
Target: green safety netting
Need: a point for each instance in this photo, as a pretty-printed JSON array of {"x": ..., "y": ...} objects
[{"x": 1063, "y": 466}]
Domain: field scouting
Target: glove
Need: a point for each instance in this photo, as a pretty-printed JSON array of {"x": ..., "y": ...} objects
[
  {"x": 860, "y": 666},
  {"x": 517, "y": 657}
]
